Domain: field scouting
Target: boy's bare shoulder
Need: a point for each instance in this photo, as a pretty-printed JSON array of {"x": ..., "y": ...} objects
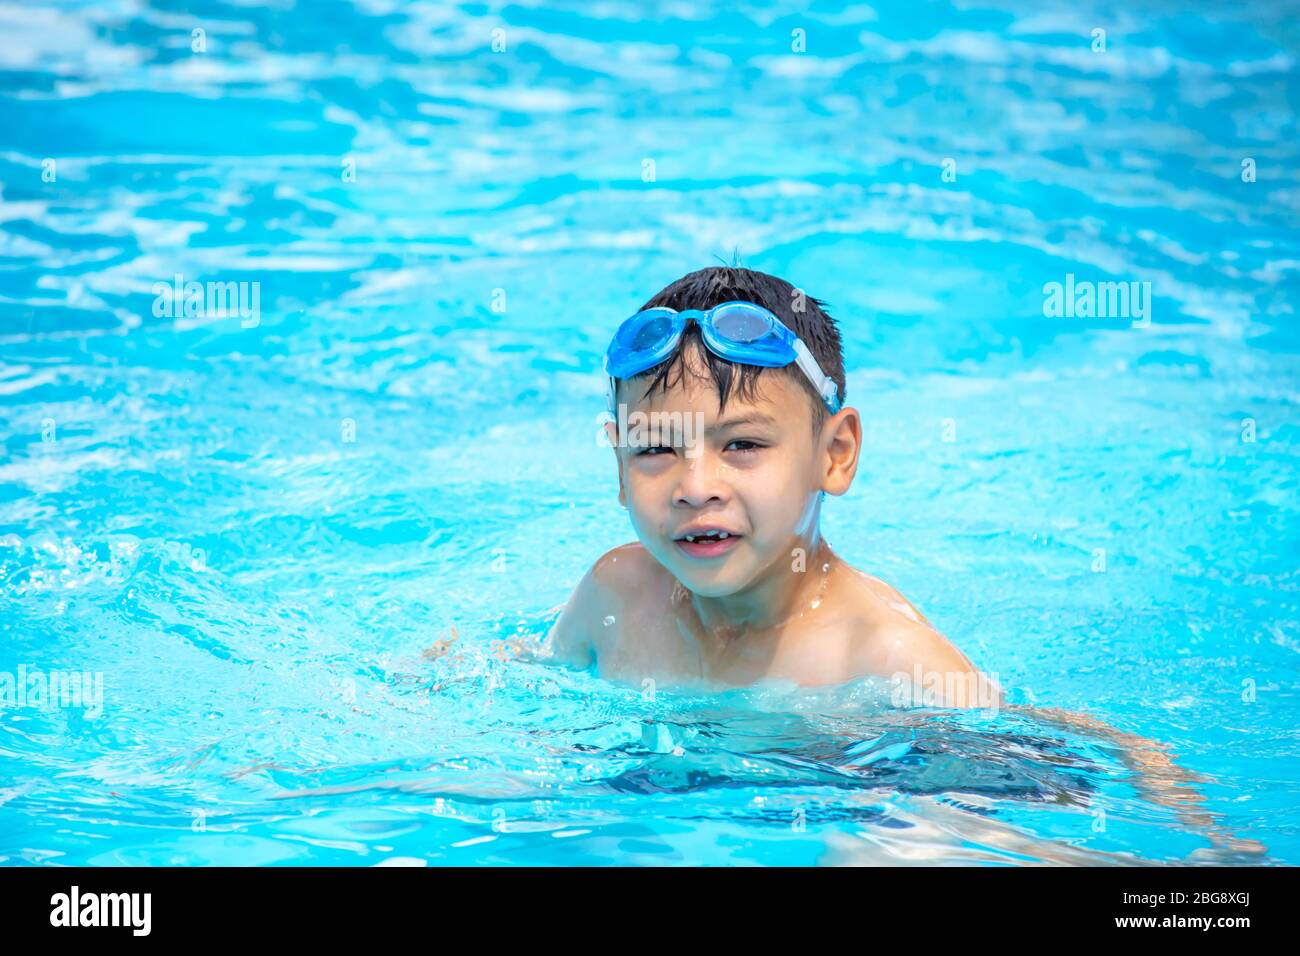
[
  {"x": 893, "y": 638},
  {"x": 627, "y": 574},
  {"x": 617, "y": 576},
  {"x": 892, "y": 635},
  {"x": 616, "y": 580}
]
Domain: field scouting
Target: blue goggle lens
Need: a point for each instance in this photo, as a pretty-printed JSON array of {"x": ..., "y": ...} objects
[
  {"x": 650, "y": 334},
  {"x": 741, "y": 324}
]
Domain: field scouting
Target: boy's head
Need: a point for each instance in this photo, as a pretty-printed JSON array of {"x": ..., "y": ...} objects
[
  {"x": 739, "y": 448},
  {"x": 802, "y": 314}
]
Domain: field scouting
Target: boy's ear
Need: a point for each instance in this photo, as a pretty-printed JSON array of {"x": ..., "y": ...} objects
[
  {"x": 611, "y": 430},
  {"x": 842, "y": 438}
]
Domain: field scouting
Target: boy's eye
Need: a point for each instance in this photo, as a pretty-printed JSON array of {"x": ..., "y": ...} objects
[
  {"x": 654, "y": 450},
  {"x": 748, "y": 446}
]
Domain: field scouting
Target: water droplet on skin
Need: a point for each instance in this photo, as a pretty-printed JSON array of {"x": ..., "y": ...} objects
[
  {"x": 826, "y": 567},
  {"x": 817, "y": 602},
  {"x": 609, "y": 620}
]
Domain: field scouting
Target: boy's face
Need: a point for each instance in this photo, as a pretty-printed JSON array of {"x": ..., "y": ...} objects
[{"x": 755, "y": 471}]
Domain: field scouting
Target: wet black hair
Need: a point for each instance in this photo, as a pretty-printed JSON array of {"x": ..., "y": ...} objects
[{"x": 803, "y": 314}]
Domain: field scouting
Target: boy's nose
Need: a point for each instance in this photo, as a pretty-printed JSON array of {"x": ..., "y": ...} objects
[{"x": 698, "y": 482}]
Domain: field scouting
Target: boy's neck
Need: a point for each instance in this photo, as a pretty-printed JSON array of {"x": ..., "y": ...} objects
[{"x": 774, "y": 600}]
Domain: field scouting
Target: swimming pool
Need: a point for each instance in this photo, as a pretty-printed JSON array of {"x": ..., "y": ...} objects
[{"x": 258, "y": 526}]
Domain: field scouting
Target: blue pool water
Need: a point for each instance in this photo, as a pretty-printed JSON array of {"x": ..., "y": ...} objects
[{"x": 257, "y": 528}]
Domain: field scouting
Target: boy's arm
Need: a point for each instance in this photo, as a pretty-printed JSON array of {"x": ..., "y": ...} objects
[
  {"x": 569, "y": 641},
  {"x": 1162, "y": 781},
  {"x": 1155, "y": 774}
]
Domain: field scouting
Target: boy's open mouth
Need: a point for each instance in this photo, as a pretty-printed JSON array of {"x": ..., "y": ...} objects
[{"x": 706, "y": 542}]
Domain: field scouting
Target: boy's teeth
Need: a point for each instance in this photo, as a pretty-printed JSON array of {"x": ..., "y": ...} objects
[{"x": 710, "y": 536}]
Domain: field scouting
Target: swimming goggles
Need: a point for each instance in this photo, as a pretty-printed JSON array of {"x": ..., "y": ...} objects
[{"x": 737, "y": 331}]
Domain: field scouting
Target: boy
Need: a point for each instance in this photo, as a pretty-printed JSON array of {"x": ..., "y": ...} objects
[{"x": 731, "y": 582}]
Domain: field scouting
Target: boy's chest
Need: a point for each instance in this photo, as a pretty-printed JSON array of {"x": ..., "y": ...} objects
[{"x": 657, "y": 646}]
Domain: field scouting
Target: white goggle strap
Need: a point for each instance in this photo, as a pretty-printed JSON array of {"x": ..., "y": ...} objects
[
  {"x": 609, "y": 392},
  {"x": 825, "y": 385}
]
